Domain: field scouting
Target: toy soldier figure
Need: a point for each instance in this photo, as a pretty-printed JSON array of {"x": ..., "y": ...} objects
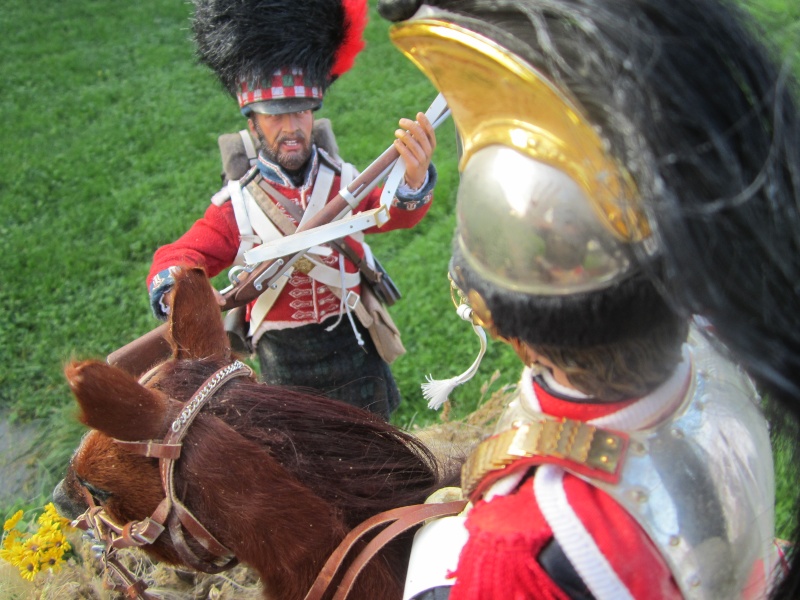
[
  {"x": 637, "y": 165},
  {"x": 320, "y": 326}
]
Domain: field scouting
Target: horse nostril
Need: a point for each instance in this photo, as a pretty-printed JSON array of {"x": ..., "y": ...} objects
[{"x": 66, "y": 506}]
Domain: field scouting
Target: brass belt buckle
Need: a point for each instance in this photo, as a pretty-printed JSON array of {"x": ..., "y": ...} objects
[{"x": 303, "y": 265}]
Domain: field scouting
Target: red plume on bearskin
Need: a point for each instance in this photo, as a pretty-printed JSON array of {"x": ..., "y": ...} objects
[
  {"x": 355, "y": 21},
  {"x": 248, "y": 40}
]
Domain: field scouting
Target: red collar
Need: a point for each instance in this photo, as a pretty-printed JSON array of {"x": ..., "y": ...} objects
[{"x": 579, "y": 410}]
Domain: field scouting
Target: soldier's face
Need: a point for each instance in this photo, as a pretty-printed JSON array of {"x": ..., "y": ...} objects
[{"x": 285, "y": 139}]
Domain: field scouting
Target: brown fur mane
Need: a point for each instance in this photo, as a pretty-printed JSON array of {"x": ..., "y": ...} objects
[
  {"x": 346, "y": 455},
  {"x": 277, "y": 475}
]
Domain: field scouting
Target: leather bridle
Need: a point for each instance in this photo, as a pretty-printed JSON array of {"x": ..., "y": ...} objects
[{"x": 171, "y": 514}]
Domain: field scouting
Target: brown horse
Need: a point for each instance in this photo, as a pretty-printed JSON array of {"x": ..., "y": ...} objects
[{"x": 276, "y": 476}]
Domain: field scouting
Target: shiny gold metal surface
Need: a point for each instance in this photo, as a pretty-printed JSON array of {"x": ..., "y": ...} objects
[
  {"x": 579, "y": 444},
  {"x": 498, "y": 99}
]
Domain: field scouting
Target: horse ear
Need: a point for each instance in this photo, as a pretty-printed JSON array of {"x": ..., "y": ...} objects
[
  {"x": 195, "y": 321},
  {"x": 114, "y": 403}
]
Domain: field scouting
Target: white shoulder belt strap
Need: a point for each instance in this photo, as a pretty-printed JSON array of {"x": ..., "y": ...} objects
[{"x": 268, "y": 232}]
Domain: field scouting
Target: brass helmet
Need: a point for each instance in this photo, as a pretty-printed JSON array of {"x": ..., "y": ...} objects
[{"x": 548, "y": 221}]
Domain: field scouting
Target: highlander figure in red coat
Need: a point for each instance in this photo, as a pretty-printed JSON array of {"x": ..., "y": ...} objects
[{"x": 313, "y": 328}]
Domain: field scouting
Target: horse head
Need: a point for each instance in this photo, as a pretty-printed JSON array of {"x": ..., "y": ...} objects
[{"x": 276, "y": 477}]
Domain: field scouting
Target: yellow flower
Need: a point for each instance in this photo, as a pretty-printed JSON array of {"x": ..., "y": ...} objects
[
  {"x": 29, "y": 566},
  {"x": 52, "y": 559},
  {"x": 14, "y": 554},
  {"x": 33, "y": 544},
  {"x": 59, "y": 541},
  {"x": 32, "y": 551},
  {"x": 12, "y": 522},
  {"x": 50, "y": 517},
  {"x": 11, "y": 538}
]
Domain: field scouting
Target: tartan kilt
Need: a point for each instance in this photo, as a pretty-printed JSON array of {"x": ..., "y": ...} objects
[{"x": 330, "y": 362}]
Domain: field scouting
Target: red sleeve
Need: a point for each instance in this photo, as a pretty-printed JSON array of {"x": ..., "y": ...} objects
[
  {"x": 499, "y": 559},
  {"x": 507, "y": 534},
  {"x": 211, "y": 243},
  {"x": 399, "y": 218},
  {"x": 626, "y": 546}
]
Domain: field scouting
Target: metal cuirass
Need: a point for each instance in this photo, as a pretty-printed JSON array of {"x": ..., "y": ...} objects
[{"x": 701, "y": 481}]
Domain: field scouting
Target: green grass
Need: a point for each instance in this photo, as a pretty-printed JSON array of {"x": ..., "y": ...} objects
[{"x": 109, "y": 151}]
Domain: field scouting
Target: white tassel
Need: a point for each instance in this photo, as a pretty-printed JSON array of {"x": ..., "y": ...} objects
[{"x": 436, "y": 391}]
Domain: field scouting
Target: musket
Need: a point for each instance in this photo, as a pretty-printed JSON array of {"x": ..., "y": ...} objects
[{"x": 249, "y": 282}]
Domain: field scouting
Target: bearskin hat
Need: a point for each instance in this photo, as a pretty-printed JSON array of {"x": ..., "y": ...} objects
[{"x": 249, "y": 41}]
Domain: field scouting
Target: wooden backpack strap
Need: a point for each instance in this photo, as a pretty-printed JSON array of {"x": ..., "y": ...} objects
[{"x": 401, "y": 519}]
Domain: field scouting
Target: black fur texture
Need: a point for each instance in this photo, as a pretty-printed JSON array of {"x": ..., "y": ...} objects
[
  {"x": 250, "y": 39},
  {"x": 611, "y": 315}
]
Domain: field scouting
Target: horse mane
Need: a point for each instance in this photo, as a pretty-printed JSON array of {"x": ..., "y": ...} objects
[
  {"x": 277, "y": 475},
  {"x": 348, "y": 456}
]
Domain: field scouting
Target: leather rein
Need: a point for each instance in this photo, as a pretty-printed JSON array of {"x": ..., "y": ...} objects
[{"x": 172, "y": 515}]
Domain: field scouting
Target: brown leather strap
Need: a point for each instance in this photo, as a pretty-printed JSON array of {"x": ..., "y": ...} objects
[
  {"x": 198, "y": 531},
  {"x": 140, "y": 533},
  {"x": 335, "y": 560},
  {"x": 271, "y": 210},
  {"x": 287, "y": 204},
  {"x": 404, "y": 523},
  {"x": 402, "y": 518},
  {"x": 152, "y": 449},
  {"x": 182, "y": 516},
  {"x": 132, "y": 588},
  {"x": 225, "y": 562}
]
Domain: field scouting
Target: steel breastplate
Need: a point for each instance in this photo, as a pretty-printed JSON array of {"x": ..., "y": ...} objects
[{"x": 701, "y": 482}]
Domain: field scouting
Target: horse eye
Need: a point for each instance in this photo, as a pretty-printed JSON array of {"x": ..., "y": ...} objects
[{"x": 99, "y": 496}]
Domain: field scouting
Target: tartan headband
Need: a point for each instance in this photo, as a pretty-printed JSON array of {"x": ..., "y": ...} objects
[{"x": 285, "y": 91}]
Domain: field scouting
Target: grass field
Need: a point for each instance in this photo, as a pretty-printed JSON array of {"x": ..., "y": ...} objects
[{"x": 109, "y": 150}]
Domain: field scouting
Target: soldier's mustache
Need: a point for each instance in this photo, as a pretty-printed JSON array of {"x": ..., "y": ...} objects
[{"x": 297, "y": 136}]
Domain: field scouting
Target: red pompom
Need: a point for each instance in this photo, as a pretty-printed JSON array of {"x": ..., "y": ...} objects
[{"x": 355, "y": 21}]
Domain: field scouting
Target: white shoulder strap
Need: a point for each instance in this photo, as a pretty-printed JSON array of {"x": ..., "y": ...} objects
[
  {"x": 349, "y": 173},
  {"x": 322, "y": 189},
  {"x": 265, "y": 302},
  {"x": 247, "y": 237},
  {"x": 249, "y": 147},
  {"x": 263, "y": 226}
]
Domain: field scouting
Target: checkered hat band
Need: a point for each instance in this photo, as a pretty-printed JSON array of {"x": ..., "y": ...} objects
[{"x": 285, "y": 83}]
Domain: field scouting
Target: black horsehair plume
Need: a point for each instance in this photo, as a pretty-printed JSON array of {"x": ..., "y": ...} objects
[
  {"x": 703, "y": 111},
  {"x": 250, "y": 39}
]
